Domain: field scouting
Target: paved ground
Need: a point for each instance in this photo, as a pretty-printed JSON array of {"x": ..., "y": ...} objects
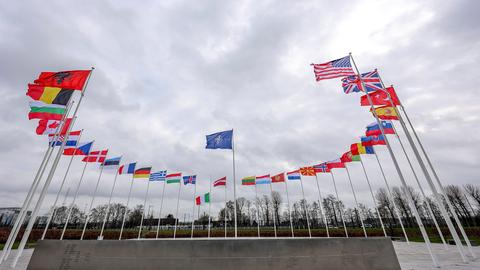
[
  {"x": 416, "y": 256},
  {"x": 413, "y": 256}
]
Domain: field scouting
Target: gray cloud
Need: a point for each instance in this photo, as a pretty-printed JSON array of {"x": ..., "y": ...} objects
[{"x": 169, "y": 73}]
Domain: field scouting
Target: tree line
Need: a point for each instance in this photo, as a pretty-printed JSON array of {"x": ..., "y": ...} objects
[{"x": 268, "y": 209}]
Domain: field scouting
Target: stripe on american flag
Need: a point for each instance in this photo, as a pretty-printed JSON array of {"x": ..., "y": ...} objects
[{"x": 333, "y": 69}]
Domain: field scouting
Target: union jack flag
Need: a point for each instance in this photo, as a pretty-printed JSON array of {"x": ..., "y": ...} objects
[
  {"x": 321, "y": 168},
  {"x": 370, "y": 79},
  {"x": 333, "y": 69}
]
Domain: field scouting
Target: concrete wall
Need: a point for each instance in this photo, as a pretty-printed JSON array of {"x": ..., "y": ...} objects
[{"x": 224, "y": 254}]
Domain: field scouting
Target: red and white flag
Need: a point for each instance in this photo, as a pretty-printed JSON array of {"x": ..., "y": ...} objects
[
  {"x": 96, "y": 156},
  {"x": 49, "y": 126},
  {"x": 220, "y": 182},
  {"x": 333, "y": 69}
]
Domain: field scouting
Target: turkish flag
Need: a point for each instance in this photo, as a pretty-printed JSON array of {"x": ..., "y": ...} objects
[
  {"x": 72, "y": 79},
  {"x": 380, "y": 97}
]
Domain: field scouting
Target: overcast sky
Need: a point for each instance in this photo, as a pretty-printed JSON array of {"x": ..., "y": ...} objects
[{"x": 169, "y": 72}]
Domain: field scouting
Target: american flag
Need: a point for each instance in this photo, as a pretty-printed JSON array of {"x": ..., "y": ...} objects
[
  {"x": 333, "y": 69},
  {"x": 158, "y": 176},
  {"x": 371, "y": 80},
  {"x": 96, "y": 156},
  {"x": 321, "y": 168},
  {"x": 220, "y": 182},
  {"x": 190, "y": 179}
]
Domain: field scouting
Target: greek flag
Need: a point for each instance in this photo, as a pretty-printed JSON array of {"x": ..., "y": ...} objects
[{"x": 158, "y": 176}]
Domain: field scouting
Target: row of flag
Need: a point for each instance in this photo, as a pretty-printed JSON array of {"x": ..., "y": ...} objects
[
  {"x": 384, "y": 101},
  {"x": 52, "y": 91}
]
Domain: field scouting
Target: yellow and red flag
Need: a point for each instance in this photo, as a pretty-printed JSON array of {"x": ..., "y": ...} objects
[{"x": 386, "y": 113}]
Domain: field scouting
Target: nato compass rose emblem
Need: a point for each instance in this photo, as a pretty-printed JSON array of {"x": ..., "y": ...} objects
[
  {"x": 61, "y": 76},
  {"x": 219, "y": 139}
]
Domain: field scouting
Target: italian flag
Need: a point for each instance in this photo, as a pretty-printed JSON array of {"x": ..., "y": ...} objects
[{"x": 202, "y": 199}]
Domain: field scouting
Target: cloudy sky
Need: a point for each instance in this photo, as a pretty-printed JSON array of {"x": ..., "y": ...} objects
[{"x": 169, "y": 72}]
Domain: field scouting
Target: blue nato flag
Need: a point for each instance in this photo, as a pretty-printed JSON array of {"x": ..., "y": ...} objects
[{"x": 220, "y": 140}]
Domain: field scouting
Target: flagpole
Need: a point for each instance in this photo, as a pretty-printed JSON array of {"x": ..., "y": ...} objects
[
  {"x": 126, "y": 206},
  {"x": 52, "y": 214},
  {"x": 424, "y": 197},
  {"x": 161, "y": 208},
  {"x": 321, "y": 207},
  {"x": 373, "y": 197},
  {"x": 289, "y": 212},
  {"x": 258, "y": 211},
  {"x": 43, "y": 193},
  {"x": 193, "y": 208},
  {"x": 442, "y": 190},
  {"x": 400, "y": 174},
  {"x": 209, "y": 205},
  {"x": 93, "y": 199},
  {"x": 234, "y": 188},
  {"x": 109, "y": 204},
  {"x": 397, "y": 212},
  {"x": 69, "y": 213},
  {"x": 225, "y": 210},
  {"x": 341, "y": 208},
  {"x": 305, "y": 208},
  {"x": 176, "y": 213},
  {"x": 274, "y": 222},
  {"x": 144, "y": 207},
  {"x": 356, "y": 203},
  {"x": 31, "y": 192}
]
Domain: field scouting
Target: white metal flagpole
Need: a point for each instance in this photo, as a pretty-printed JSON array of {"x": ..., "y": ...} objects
[
  {"x": 91, "y": 202},
  {"x": 176, "y": 213},
  {"x": 126, "y": 207},
  {"x": 43, "y": 193},
  {"x": 225, "y": 216},
  {"x": 52, "y": 212},
  {"x": 442, "y": 190},
  {"x": 373, "y": 198},
  {"x": 305, "y": 208},
  {"x": 395, "y": 207},
  {"x": 258, "y": 211},
  {"x": 209, "y": 205},
  {"x": 193, "y": 208},
  {"x": 107, "y": 211},
  {"x": 436, "y": 195},
  {"x": 340, "y": 207},
  {"x": 274, "y": 222},
  {"x": 144, "y": 207},
  {"x": 70, "y": 209},
  {"x": 400, "y": 174},
  {"x": 234, "y": 189},
  {"x": 289, "y": 211},
  {"x": 424, "y": 197},
  {"x": 356, "y": 202},
  {"x": 321, "y": 207},
  {"x": 33, "y": 188},
  {"x": 161, "y": 208}
]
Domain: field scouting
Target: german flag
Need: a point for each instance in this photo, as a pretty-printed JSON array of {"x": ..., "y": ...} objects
[
  {"x": 49, "y": 95},
  {"x": 142, "y": 172}
]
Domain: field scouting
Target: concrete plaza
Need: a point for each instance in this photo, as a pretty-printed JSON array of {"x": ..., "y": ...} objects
[{"x": 413, "y": 256}]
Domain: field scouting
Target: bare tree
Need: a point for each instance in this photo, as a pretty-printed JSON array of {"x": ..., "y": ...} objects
[
  {"x": 276, "y": 204},
  {"x": 454, "y": 193},
  {"x": 474, "y": 192}
]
